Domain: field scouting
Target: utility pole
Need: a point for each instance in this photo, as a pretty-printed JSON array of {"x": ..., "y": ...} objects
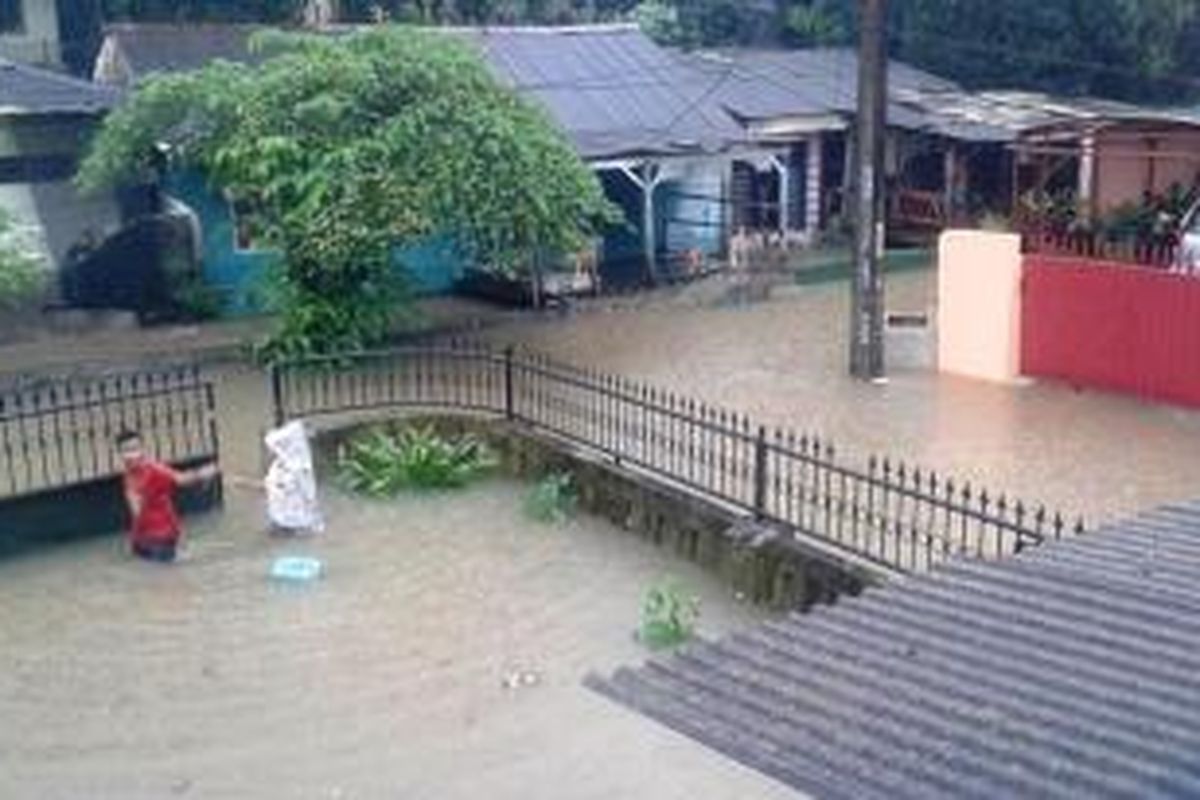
[{"x": 866, "y": 325}]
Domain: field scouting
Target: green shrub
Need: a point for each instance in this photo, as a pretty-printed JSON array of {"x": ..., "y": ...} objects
[
  {"x": 383, "y": 462},
  {"x": 553, "y": 499},
  {"x": 668, "y": 616},
  {"x": 23, "y": 268}
]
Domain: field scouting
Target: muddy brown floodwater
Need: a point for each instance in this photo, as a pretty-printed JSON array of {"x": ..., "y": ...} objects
[
  {"x": 384, "y": 680},
  {"x": 783, "y": 361}
]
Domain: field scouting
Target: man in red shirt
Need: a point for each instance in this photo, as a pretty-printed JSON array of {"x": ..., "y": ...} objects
[{"x": 150, "y": 486}]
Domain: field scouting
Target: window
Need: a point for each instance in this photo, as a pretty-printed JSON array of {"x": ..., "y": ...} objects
[
  {"x": 12, "y": 16},
  {"x": 246, "y": 234}
]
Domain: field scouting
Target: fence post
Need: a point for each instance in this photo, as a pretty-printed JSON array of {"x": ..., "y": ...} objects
[
  {"x": 276, "y": 394},
  {"x": 510, "y": 411},
  {"x": 760, "y": 474},
  {"x": 214, "y": 438}
]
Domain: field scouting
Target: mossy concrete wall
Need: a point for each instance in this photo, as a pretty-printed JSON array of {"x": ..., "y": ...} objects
[{"x": 769, "y": 566}]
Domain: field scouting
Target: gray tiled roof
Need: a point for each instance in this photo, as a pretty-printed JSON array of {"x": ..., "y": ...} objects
[
  {"x": 612, "y": 90},
  {"x": 26, "y": 90},
  {"x": 1070, "y": 671}
]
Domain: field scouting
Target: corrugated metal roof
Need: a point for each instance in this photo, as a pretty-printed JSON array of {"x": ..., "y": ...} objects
[
  {"x": 1028, "y": 111},
  {"x": 784, "y": 83},
  {"x": 612, "y": 90},
  {"x": 1070, "y": 671},
  {"x": 609, "y": 87},
  {"x": 26, "y": 90}
]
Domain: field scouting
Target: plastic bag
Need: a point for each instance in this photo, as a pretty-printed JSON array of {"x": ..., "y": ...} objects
[{"x": 291, "y": 482}]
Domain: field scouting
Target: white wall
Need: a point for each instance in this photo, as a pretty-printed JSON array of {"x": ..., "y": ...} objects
[
  {"x": 38, "y": 43},
  {"x": 979, "y": 305},
  {"x": 60, "y": 213}
]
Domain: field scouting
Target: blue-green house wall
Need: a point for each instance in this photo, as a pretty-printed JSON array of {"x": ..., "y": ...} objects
[
  {"x": 429, "y": 267},
  {"x": 688, "y": 215},
  {"x": 238, "y": 275}
]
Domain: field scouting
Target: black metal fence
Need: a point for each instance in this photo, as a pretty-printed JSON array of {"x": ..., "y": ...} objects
[
  {"x": 884, "y": 511},
  {"x": 58, "y": 432}
]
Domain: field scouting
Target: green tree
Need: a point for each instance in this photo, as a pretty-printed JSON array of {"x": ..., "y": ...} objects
[
  {"x": 705, "y": 23},
  {"x": 1140, "y": 50},
  {"x": 347, "y": 146},
  {"x": 1134, "y": 49},
  {"x": 809, "y": 23}
]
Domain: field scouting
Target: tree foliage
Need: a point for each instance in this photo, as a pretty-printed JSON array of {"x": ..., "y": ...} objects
[
  {"x": 23, "y": 265},
  {"x": 348, "y": 146},
  {"x": 1141, "y": 50},
  {"x": 1135, "y": 49}
]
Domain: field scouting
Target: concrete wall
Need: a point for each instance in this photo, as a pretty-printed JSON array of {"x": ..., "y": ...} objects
[
  {"x": 54, "y": 209},
  {"x": 979, "y": 305},
  {"x": 767, "y": 566},
  {"x": 38, "y": 43},
  {"x": 61, "y": 134},
  {"x": 59, "y": 212}
]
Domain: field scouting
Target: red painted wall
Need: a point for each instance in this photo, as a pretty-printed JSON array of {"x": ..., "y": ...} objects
[{"x": 1106, "y": 326}]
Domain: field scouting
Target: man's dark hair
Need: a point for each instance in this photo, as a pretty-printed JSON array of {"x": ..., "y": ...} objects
[{"x": 127, "y": 435}]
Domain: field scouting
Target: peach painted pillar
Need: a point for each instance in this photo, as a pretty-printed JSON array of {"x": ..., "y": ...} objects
[{"x": 979, "y": 305}]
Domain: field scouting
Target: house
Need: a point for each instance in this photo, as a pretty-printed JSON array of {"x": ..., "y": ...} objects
[
  {"x": 1106, "y": 154},
  {"x": 30, "y": 32},
  {"x": 698, "y": 147},
  {"x": 46, "y": 119},
  {"x": 130, "y": 52},
  {"x": 640, "y": 117},
  {"x": 804, "y": 102},
  {"x": 645, "y": 121}
]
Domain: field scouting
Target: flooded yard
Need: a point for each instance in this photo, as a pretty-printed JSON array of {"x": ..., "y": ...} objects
[
  {"x": 783, "y": 362},
  {"x": 386, "y": 678},
  {"x": 383, "y": 680}
]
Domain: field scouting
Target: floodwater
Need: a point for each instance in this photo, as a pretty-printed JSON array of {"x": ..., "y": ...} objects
[
  {"x": 783, "y": 361},
  {"x": 386, "y": 679}
]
